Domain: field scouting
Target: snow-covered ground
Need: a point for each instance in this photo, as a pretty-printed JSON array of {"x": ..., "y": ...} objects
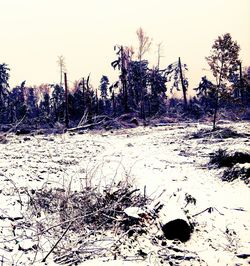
[{"x": 162, "y": 160}]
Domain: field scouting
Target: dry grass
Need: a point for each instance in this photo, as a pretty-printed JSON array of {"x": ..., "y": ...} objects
[
  {"x": 219, "y": 133},
  {"x": 238, "y": 171},
  {"x": 90, "y": 208}
]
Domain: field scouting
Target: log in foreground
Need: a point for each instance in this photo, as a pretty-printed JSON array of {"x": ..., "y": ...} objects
[
  {"x": 177, "y": 229},
  {"x": 174, "y": 222}
]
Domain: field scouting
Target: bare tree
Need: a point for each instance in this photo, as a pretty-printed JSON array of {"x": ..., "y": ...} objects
[
  {"x": 144, "y": 43},
  {"x": 144, "y": 46},
  {"x": 159, "y": 54},
  {"x": 62, "y": 66},
  {"x": 183, "y": 85}
]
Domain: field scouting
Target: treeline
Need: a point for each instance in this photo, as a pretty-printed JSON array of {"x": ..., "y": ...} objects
[{"x": 140, "y": 90}]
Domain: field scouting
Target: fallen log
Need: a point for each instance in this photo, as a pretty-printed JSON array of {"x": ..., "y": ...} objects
[
  {"x": 172, "y": 219},
  {"x": 91, "y": 125},
  {"x": 174, "y": 223},
  {"x": 85, "y": 126}
]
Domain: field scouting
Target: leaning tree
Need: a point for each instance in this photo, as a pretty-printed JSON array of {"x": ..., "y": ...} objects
[
  {"x": 176, "y": 75},
  {"x": 223, "y": 61}
]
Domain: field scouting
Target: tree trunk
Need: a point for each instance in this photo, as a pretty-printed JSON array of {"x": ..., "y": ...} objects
[
  {"x": 97, "y": 103},
  {"x": 149, "y": 107},
  {"x": 113, "y": 103},
  {"x": 124, "y": 81},
  {"x": 126, "y": 98},
  {"x": 241, "y": 89},
  {"x": 143, "y": 108},
  {"x": 216, "y": 107},
  {"x": 184, "y": 89},
  {"x": 66, "y": 102},
  {"x": 83, "y": 96},
  {"x": 215, "y": 117},
  {"x": 61, "y": 74}
]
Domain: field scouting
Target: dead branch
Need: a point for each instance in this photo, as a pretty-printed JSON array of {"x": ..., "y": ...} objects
[
  {"x": 128, "y": 194},
  {"x": 16, "y": 125},
  {"x": 83, "y": 127},
  {"x": 83, "y": 119},
  {"x": 57, "y": 242}
]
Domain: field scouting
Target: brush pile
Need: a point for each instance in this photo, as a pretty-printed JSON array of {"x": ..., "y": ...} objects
[
  {"x": 112, "y": 224},
  {"x": 88, "y": 208},
  {"x": 236, "y": 164}
]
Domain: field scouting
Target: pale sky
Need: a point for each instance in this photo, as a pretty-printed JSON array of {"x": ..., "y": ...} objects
[{"x": 35, "y": 32}]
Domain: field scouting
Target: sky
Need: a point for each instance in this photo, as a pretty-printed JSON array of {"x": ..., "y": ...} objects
[{"x": 35, "y": 32}]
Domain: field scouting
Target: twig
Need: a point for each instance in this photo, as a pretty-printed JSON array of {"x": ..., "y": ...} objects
[
  {"x": 209, "y": 209},
  {"x": 17, "y": 190},
  {"x": 64, "y": 233},
  {"x": 131, "y": 192},
  {"x": 34, "y": 259},
  {"x": 155, "y": 198},
  {"x": 56, "y": 225},
  {"x": 236, "y": 209}
]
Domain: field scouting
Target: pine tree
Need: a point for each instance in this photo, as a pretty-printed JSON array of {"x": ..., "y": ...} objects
[{"x": 104, "y": 84}]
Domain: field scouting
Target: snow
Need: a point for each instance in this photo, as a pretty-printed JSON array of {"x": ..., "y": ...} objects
[{"x": 163, "y": 160}]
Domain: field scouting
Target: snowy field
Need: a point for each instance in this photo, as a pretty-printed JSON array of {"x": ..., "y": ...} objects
[{"x": 161, "y": 161}]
